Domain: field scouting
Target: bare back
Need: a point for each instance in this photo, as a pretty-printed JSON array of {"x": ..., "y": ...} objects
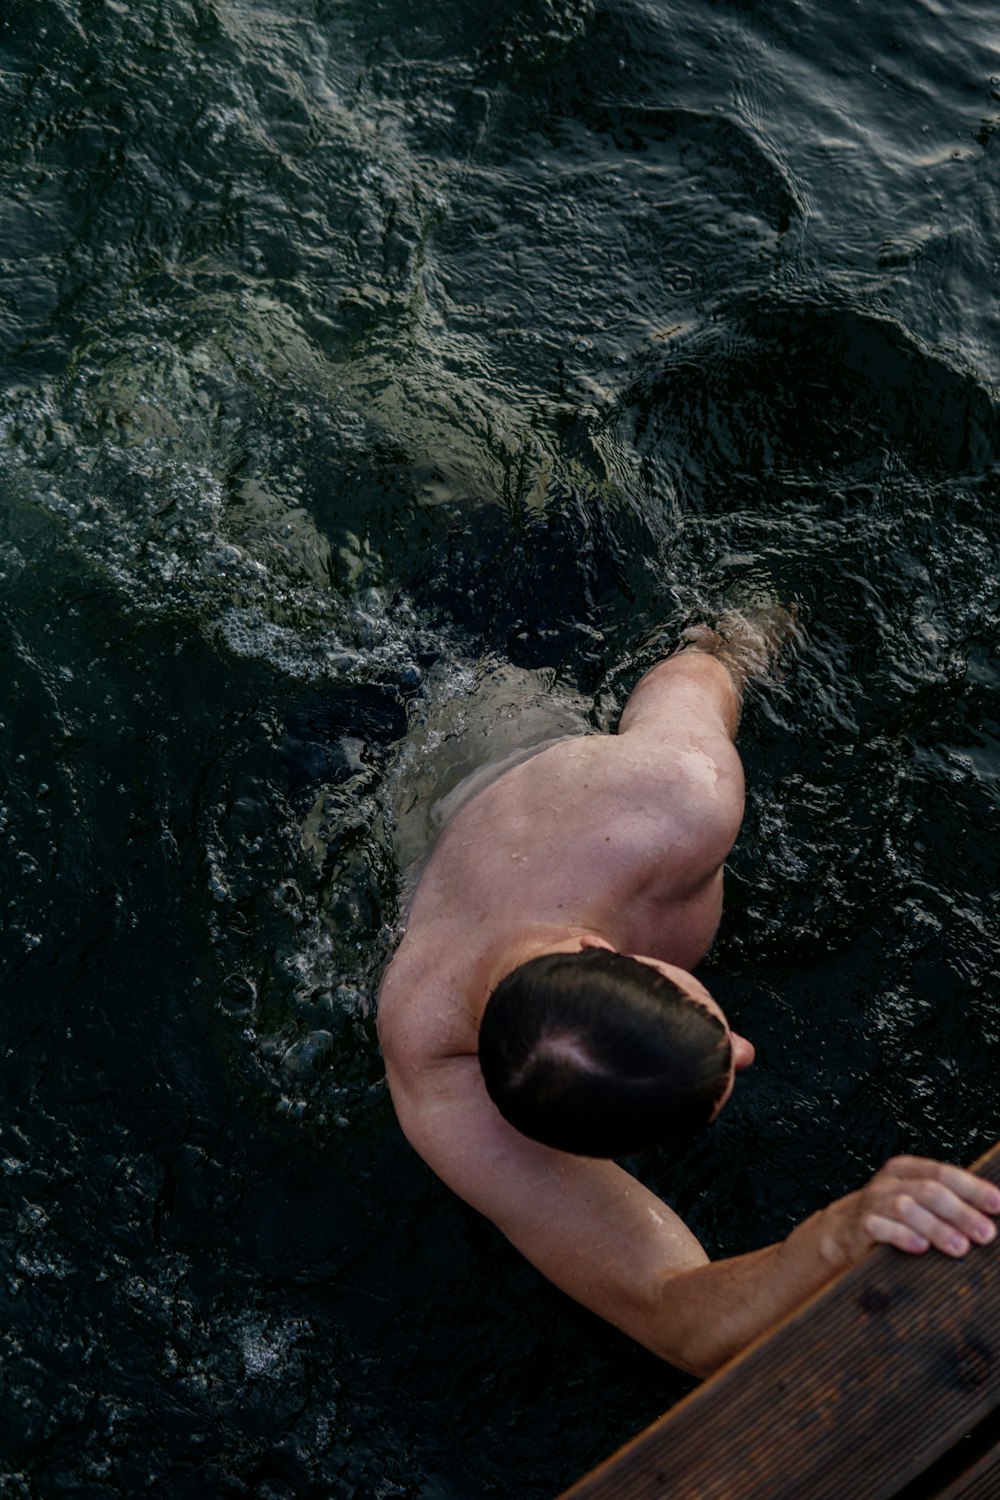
[{"x": 620, "y": 834}]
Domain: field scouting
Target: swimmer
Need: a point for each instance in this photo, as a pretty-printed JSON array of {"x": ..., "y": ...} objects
[{"x": 540, "y": 1017}]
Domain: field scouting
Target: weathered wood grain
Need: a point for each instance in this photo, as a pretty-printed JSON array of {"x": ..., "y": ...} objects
[{"x": 857, "y": 1393}]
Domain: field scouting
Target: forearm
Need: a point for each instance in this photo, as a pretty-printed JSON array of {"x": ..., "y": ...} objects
[
  {"x": 709, "y": 1313},
  {"x": 692, "y": 685},
  {"x": 740, "y": 646},
  {"x": 706, "y": 1315}
]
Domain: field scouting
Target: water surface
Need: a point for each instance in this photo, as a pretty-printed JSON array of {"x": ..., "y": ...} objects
[{"x": 364, "y": 364}]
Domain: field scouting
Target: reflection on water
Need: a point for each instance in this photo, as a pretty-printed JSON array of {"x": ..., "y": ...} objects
[{"x": 376, "y": 381}]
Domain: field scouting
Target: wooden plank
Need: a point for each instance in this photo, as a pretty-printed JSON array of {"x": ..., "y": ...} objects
[
  {"x": 858, "y": 1392},
  {"x": 981, "y": 1482}
]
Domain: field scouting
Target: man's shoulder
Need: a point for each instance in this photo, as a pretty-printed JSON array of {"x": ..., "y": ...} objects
[{"x": 424, "y": 1003}]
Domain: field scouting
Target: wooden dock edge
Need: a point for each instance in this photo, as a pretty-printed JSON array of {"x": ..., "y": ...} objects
[{"x": 885, "y": 1385}]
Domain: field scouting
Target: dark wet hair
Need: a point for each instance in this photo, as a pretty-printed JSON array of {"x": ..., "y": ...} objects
[{"x": 599, "y": 1054}]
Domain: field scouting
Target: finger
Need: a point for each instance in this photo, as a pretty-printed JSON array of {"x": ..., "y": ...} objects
[
  {"x": 954, "y": 1210},
  {"x": 937, "y": 1215},
  {"x": 966, "y": 1185},
  {"x": 928, "y": 1225},
  {"x": 886, "y": 1231}
]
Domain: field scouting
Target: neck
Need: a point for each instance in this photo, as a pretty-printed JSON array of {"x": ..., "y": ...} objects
[{"x": 532, "y": 944}]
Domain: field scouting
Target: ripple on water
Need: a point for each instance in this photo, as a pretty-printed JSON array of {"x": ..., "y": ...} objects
[{"x": 383, "y": 387}]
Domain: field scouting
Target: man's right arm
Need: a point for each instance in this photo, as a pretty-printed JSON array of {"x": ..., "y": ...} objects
[{"x": 608, "y": 1242}]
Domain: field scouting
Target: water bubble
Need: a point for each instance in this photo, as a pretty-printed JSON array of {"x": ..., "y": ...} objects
[
  {"x": 261, "y": 1352},
  {"x": 237, "y": 995},
  {"x": 304, "y": 1056},
  {"x": 32, "y": 1218}
]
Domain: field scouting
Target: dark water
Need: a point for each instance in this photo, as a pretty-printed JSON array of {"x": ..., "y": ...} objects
[{"x": 354, "y": 354}]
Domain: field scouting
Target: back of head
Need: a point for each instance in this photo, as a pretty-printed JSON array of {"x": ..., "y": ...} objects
[{"x": 599, "y": 1054}]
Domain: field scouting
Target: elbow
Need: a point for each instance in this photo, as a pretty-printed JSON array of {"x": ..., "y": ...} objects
[
  {"x": 698, "y": 1356},
  {"x": 706, "y": 1362}
]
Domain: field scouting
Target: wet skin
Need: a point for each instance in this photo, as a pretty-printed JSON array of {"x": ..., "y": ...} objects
[{"x": 618, "y": 841}]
